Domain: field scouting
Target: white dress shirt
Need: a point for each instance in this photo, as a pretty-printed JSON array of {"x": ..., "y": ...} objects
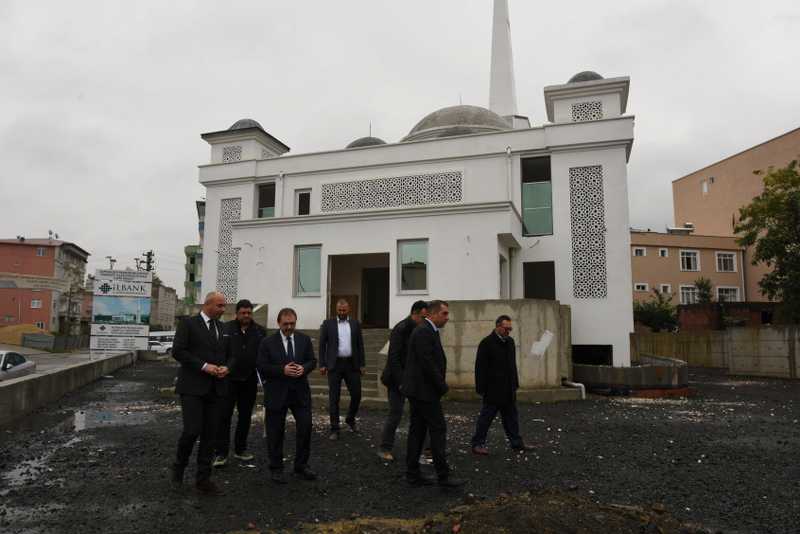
[
  {"x": 286, "y": 344},
  {"x": 435, "y": 328},
  {"x": 345, "y": 339}
]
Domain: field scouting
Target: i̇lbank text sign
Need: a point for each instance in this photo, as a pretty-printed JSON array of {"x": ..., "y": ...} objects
[{"x": 121, "y": 310}]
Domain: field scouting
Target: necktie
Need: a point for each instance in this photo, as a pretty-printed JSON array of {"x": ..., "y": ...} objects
[
  {"x": 213, "y": 329},
  {"x": 290, "y": 348}
]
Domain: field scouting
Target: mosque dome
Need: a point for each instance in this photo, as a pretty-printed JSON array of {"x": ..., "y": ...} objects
[
  {"x": 457, "y": 120},
  {"x": 585, "y": 76},
  {"x": 366, "y": 141},
  {"x": 243, "y": 124}
]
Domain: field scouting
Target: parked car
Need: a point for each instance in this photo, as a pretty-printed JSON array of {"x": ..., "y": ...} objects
[
  {"x": 14, "y": 365},
  {"x": 160, "y": 347}
]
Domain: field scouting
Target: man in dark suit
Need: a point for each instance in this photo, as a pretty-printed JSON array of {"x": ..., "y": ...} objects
[
  {"x": 241, "y": 339},
  {"x": 201, "y": 384},
  {"x": 284, "y": 361},
  {"x": 341, "y": 357},
  {"x": 392, "y": 376},
  {"x": 496, "y": 381},
  {"x": 424, "y": 384}
]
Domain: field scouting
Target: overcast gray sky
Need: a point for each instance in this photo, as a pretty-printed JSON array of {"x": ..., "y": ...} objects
[{"x": 102, "y": 103}]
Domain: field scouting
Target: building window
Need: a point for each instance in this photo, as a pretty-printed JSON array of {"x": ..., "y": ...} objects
[
  {"x": 663, "y": 253},
  {"x": 537, "y": 196},
  {"x": 690, "y": 260},
  {"x": 666, "y": 288},
  {"x": 41, "y": 251},
  {"x": 302, "y": 202},
  {"x": 39, "y": 324},
  {"x": 704, "y": 186},
  {"x": 688, "y": 295},
  {"x": 539, "y": 280},
  {"x": 587, "y": 111},
  {"x": 308, "y": 270},
  {"x": 727, "y": 294},
  {"x": 640, "y": 286},
  {"x": 36, "y": 304},
  {"x": 413, "y": 259},
  {"x": 266, "y": 200},
  {"x": 726, "y": 262},
  {"x": 639, "y": 252}
]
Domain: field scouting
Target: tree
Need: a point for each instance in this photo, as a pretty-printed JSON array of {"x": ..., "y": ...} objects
[
  {"x": 658, "y": 313},
  {"x": 705, "y": 292},
  {"x": 771, "y": 224}
]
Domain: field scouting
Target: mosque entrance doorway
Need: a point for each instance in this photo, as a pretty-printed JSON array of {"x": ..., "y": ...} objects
[{"x": 362, "y": 280}]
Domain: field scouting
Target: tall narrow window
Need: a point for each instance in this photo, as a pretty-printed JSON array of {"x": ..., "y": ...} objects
[
  {"x": 40, "y": 251},
  {"x": 266, "y": 200},
  {"x": 537, "y": 196},
  {"x": 413, "y": 260},
  {"x": 302, "y": 201},
  {"x": 308, "y": 270}
]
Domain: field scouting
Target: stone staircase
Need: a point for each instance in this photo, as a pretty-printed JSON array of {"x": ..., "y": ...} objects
[{"x": 374, "y": 340}]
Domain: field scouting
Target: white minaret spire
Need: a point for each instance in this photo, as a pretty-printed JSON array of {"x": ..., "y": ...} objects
[{"x": 502, "y": 91}]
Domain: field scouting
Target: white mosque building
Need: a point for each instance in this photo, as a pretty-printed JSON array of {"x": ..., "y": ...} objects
[{"x": 473, "y": 204}]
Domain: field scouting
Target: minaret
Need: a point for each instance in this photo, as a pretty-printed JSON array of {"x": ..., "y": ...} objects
[{"x": 502, "y": 89}]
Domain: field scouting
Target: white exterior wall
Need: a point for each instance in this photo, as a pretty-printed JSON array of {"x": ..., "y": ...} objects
[{"x": 463, "y": 242}]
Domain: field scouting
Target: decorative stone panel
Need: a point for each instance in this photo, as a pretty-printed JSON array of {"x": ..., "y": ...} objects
[
  {"x": 397, "y": 191},
  {"x": 231, "y": 154},
  {"x": 587, "y": 215},
  {"x": 587, "y": 111},
  {"x": 228, "y": 257}
]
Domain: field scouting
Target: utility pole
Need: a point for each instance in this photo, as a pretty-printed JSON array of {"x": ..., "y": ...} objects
[{"x": 148, "y": 260}]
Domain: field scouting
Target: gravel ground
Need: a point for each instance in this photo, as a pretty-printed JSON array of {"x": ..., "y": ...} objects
[{"x": 725, "y": 459}]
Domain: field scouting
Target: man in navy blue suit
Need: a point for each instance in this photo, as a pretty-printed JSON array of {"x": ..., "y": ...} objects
[{"x": 284, "y": 361}]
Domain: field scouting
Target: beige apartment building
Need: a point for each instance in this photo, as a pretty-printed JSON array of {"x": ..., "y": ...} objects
[
  {"x": 709, "y": 198},
  {"x": 671, "y": 262}
]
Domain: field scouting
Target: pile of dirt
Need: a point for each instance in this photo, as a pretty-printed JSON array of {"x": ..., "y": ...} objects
[
  {"x": 544, "y": 512},
  {"x": 12, "y": 335}
]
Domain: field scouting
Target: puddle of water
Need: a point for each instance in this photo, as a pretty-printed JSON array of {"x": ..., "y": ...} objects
[
  {"x": 88, "y": 419},
  {"x": 29, "y": 471}
]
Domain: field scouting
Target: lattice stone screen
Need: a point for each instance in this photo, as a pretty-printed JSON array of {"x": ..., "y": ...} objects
[
  {"x": 587, "y": 214},
  {"x": 415, "y": 190},
  {"x": 228, "y": 257},
  {"x": 231, "y": 154},
  {"x": 587, "y": 111}
]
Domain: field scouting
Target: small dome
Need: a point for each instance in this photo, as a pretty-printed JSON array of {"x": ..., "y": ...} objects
[
  {"x": 585, "y": 76},
  {"x": 366, "y": 141},
  {"x": 457, "y": 120},
  {"x": 243, "y": 124}
]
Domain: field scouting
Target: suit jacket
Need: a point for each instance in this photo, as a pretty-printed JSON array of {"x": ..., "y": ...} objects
[
  {"x": 194, "y": 346},
  {"x": 329, "y": 343},
  {"x": 426, "y": 365},
  {"x": 496, "y": 377},
  {"x": 241, "y": 350},
  {"x": 392, "y": 375},
  {"x": 272, "y": 358}
]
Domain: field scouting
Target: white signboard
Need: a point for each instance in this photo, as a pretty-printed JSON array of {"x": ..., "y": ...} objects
[
  {"x": 117, "y": 343},
  {"x": 121, "y": 310}
]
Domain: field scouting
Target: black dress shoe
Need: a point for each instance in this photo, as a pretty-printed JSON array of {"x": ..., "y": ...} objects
[
  {"x": 176, "y": 475},
  {"x": 522, "y": 447},
  {"x": 353, "y": 426},
  {"x": 206, "y": 487},
  {"x": 451, "y": 482},
  {"x": 417, "y": 481},
  {"x": 305, "y": 474},
  {"x": 278, "y": 477}
]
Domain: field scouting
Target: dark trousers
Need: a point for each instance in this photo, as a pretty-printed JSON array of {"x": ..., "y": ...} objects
[
  {"x": 396, "y": 403},
  {"x": 242, "y": 395},
  {"x": 345, "y": 370},
  {"x": 427, "y": 417},
  {"x": 510, "y": 417},
  {"x": 200, "y": 416},
  {"x": 276, "y": 428}
]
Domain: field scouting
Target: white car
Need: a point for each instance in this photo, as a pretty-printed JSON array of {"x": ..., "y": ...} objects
[
  {"x": 14, "y": 365},
  {"x": 160, "y": 347}
]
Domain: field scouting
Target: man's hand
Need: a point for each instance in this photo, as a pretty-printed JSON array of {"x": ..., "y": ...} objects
[
  {"x": 222, "y": 371},
  {"x": 363, "y": 370},
  {"x": 323, "y": 371},
  {"x": 211, "y": 369},
  {"x": 293, "y": 370}
]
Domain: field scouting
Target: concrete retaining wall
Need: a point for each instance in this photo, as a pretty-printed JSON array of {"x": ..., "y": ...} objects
[
  {"x": 25, "y": 394},
  {"x": 763, "y": 351},
  {"x": 471, "y": 321},
  {"x": 651, "y": 373}
]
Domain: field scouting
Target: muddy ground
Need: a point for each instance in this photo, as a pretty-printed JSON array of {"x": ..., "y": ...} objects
[{"x": 726, "y": 459}]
